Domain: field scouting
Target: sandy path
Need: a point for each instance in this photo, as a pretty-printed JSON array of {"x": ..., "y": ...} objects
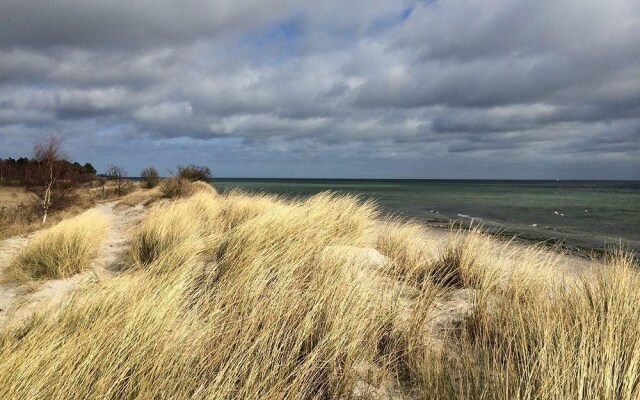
[
  {"x": 9, "y": 291},
  {"x": 123, "y": 220},
  {"x": 18, "y": 301}
]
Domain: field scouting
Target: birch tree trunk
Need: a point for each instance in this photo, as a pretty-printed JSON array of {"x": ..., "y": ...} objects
[{"x": 46, "y": 203}]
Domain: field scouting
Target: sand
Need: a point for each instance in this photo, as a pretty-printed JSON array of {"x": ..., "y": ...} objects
[{"x": 17, "y": 302}]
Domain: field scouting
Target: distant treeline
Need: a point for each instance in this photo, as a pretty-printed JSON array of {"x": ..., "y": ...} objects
[{"x": 17, "y": 172}]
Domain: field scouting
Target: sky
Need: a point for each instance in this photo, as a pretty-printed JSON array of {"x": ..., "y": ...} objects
[{"x": 495, "y": 89}]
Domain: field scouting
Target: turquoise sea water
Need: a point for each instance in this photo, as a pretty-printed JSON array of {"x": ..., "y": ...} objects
[{"x": 578, "y": 213}]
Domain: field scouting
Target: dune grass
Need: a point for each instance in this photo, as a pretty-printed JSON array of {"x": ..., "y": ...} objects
[
  {"x": 181, "y": 230},
  {"x": 539, "y": 341},
  {"x": 139, "y": 196},
  {"x": 252, "y": 296},
  {"x": 62, "y": 250},
  {"x": 19, "y": 215},
  {"x": 181, "y": 188},
  {"x": 11, "y": 196},
  {"x": 176, "y": 187}
]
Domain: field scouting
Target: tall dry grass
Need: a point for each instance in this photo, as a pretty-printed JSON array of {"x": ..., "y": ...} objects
[
  {"x": 139, "y": 196},
  {"x": 251, "y": 296},
  {"x": 61, "y": 251},
  {"x": 534, "y": 335},
  {"x": 182, "y": 230},
  {"x": 20, "y": 216},
  {"x": 462, "y": 260},
  {"x": 278, "y": 307},
  {"x": 177, "y": 187},
  {"x": 567, "y": 341}
]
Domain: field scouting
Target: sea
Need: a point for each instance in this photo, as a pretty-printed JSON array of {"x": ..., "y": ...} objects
[{"x": 579, "y": 215}]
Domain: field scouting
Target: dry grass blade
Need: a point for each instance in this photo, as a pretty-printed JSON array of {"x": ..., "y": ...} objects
[{"x": 61, "y": 251}]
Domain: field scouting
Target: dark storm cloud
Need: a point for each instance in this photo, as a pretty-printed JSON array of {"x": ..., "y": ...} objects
[
  {"x": 125, "y": 23},
  {"x": 418, "y": 89}
]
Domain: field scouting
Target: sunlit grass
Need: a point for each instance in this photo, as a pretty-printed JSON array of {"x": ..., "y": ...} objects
[
  {"x": 61, "y": 251},
  {"x": 253, "y": 296}
]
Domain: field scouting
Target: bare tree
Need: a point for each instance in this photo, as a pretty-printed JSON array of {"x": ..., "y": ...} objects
[
  {"x": 118, "y": 175},
  {"x": 48, "y": 178},
  {"x": 150, "y": 177},
  {"x": 194, "y": 173}
]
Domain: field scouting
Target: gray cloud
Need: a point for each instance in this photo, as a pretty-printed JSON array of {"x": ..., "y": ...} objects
[
  {"x": 127, "y": 24},
  {"x": 418, "y": 89}
]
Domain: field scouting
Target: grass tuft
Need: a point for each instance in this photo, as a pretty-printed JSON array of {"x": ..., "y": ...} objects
[
  {"x": 181, "y": 230},
  {"x": 61, "y": 251}
]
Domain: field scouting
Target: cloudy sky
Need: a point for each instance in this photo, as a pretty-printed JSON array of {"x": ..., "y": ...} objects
[{"x": 359, "y": 88}]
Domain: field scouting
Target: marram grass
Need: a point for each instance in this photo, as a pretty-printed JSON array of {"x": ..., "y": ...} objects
[
  {"x": 255, "y": 297},
  {"x": 62, "y": 250}
]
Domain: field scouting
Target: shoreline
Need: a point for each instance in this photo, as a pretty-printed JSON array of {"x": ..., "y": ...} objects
[
  {"x": 564, "y": 246},
  {"x": 581, "y": 218}
]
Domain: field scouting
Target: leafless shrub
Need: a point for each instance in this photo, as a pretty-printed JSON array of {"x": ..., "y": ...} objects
[
  {"x": 150, "y": 177},
  {"x": 118, "y": 175},
  {"x": 194, "y": 173}
]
